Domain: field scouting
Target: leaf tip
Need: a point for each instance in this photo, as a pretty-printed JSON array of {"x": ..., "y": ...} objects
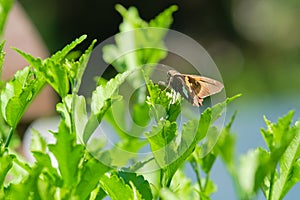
[{"x": 121, "y": 9}]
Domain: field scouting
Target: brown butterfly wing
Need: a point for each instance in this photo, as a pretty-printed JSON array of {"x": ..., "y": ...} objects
[
  {"x": 178, "y": 82},
  {"x": 192, "y": 87},
  {"x": 203, "y": 86}
]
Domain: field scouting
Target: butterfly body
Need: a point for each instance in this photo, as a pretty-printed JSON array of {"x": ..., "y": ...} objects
[{"x": 192, "y": 87}]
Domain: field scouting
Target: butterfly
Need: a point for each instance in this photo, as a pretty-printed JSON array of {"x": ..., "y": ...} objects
[{"x": 192, "y": 87}]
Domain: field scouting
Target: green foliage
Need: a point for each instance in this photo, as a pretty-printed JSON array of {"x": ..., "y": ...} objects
[
  {"x": 102, "y": 98},
  {"x": 18, "y": 94},
  {"x": 171, "y": 154},
  {"x": 159, "y": 102},
  {"x": 4, "y": 129},
  {"x": 5, "y": 6},
  {"x": 139, "y": 44},
  {"x": 58, "y": 70},
  {"x": 146, "y": 44},
  {"x": 67, "y": 153},
  {"x": 139, "y": 182},
  {"x": 43, "y": 179},
  {"x": 80, "y": 166},
  {"x": 6, "y": 161},
  {"x": 258, "y": 168},
  {"x": 283, "y": 141},
  {"x": 116, "y": 188}
]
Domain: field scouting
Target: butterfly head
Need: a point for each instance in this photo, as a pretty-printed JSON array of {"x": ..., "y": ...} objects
[{"x": 173, "y": 72}]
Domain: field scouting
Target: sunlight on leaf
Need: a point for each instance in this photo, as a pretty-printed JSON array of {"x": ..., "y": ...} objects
[
  {"x": 58, "y": 70},
  {"x": 68, "y": 154},
  {"x": 91, "y": 173},
  {"x": 115, "y": 187},
  {"x": 289, "y": 164},
  {"x": 6, "y": 161},
  {"x": 141, "y": 185},
  {"x": 18, "y": 94}
]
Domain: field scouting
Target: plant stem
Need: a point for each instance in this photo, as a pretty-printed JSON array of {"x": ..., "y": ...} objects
[
  {"x": 206, "y": 180},
  {"x": 271, "y": 185},
  {"x": 161, "y": 178},
  {"x": 197, "y": 172},
  {"x": 11, "y": 131},
  {"x": 72, "y": 113}
]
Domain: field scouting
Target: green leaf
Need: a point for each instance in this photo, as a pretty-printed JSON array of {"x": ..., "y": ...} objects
[
  {"x": 258, "y": 168},
  {"x": 64, "y": 109},
  {"x": 37, "y": 142},
  {"x": 183, "y": 187},
  {"x": 162, "y": 142},
  {"x": 79, "y": 114},
  {"x": 4, "y": 128},
  {"x": 68, "y": 155},
  {"x": 5, "y": 6},
  {"x": 213, "y": 135},
  {"x": 139, "y": 114},
  {"x": 56, "y": 75},
  {"x": 49, "y": 180},
  {"x": 90, "y": 176},
  {"x": 136, "y": 194},
  {"x": 139, "y": 182},
  {"x": 275, "y": 135},
  {"x": 77, "y": 68},
  {"x": 28, "y": 187},
  {"x": 91, "y": 126},
  {"x": 138, "y": 44},
  {"x": 18, "y": 94},
  {"x": 122, "y": 153},
  {"x": 173, "y": 154},
  {"x": 104, "y": 93},
  {"x": 279, "y": 137},
  {"x": 289, "y": 162},
  {"x": 115, "y": 116},
  {"x": 54, "y": 72},
  {"x": 209, "y": 189},
  {"x": 74, "y": 116},
  {"x": 207, "y": 162},
  {"x": 115, "y": 187},
  {"x": 252, "y": 170},
  {"x": 161, "y": 103},
  {"x": 129, "y": 144},
  {"x": 6, "y": 162},
  {"x": 225, "y": 145},
  {"x": 102, "y": 99},
  {"x": 57, "y": 70},
  {"x": 164, "y": 19},
  {"x": 129, "y": 134},
  {"x": 98, "y": 193},
  {"x": 193, "y": 132},
  {"x": 61, "y": 55},
  {"x": 131, "y": 18},
  {"x": 166, "y": 194}
]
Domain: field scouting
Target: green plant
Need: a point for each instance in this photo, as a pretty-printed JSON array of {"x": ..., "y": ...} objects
[{"x": 85, "y": 171}]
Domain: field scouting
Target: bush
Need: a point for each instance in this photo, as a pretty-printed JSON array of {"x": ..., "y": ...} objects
[{"x": 87, "y": 171}]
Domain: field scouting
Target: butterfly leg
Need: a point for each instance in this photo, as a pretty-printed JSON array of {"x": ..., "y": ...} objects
[{"x": 164, "y": 84}]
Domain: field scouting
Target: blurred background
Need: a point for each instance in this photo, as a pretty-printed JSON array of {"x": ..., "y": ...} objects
[{"x": 255, "y": 44}]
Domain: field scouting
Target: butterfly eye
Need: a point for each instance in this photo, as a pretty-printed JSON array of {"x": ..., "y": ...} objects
[{"x": 172, "y": 72}]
